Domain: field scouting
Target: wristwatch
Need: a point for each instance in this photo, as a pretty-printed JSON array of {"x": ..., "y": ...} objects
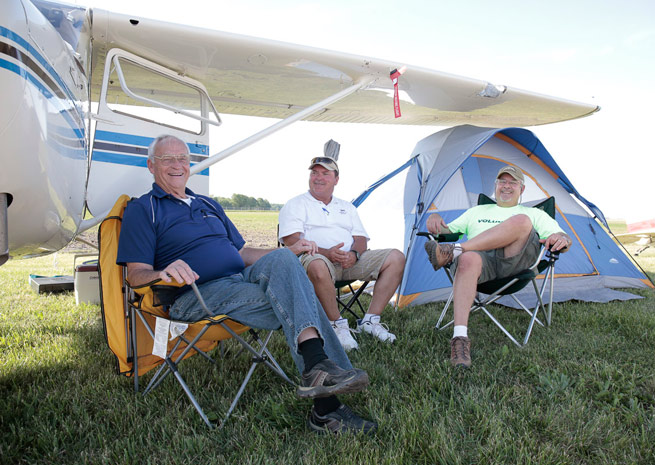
[{"x": 357, "y": 255}]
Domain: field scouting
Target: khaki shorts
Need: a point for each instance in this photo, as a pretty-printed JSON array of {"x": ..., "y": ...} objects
[
  {"x": 496, "y": 266},
  {"x": 367, "y": 268}
]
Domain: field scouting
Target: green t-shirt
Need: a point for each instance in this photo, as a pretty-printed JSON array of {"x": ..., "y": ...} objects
[{"x": 478, "y": 219}]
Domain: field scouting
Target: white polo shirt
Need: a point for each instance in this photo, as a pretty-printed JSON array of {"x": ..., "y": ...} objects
[{"x": 327, "y": 225}]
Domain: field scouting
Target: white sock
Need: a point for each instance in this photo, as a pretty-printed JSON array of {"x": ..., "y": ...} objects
[
  {"x": 457, "y": 251},
  {"x": 460, "y": 331},
  {"x": 367, "y": 317}
]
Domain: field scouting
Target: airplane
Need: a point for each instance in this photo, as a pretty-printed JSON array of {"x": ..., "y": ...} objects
[
  {"x": 641, "y": 233},
  {"x": 86, "y": 90}
]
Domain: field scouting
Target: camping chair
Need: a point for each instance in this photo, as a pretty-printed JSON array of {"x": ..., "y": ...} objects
[
  {"x": 498, "y": 288},
  {"x": 348, "y": 293},
  {"x": 346, "y": 303},
  {"x": 134, "y": 318}
]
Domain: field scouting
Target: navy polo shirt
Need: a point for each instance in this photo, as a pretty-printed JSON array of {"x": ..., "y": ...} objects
[{"x": 159, "y": 229}]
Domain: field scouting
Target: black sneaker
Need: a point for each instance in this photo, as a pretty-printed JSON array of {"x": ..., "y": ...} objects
[
  {"x": 342, "y": 420},
  {"x": 327, "y": 379}
]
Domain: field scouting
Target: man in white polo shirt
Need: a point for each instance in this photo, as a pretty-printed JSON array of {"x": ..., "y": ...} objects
[{"x": 342, "y": 254}]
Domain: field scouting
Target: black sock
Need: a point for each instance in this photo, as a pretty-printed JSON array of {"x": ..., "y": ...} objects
[
  {"x": 312, "y": 352},
  {"x": 325, "y": 405}
]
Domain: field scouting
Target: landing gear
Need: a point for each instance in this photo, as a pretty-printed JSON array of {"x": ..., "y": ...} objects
[{"x": 5, "y": 201}]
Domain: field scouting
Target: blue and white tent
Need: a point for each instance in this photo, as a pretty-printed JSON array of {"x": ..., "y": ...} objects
[{"x": 448, "y": 170}]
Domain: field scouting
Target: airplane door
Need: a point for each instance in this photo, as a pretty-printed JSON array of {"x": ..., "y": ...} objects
[{"x": 139, "y": 101}]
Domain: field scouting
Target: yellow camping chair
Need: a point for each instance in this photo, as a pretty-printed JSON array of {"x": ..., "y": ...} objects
[{"x": 131, "y": 316}]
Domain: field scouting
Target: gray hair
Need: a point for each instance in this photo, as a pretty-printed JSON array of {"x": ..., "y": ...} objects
[{"x": 162, "y": 140}]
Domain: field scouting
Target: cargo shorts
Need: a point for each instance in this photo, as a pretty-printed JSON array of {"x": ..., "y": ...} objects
[
  {"x": 367, "y": 268},
  {"x": 495, "y": 265}
]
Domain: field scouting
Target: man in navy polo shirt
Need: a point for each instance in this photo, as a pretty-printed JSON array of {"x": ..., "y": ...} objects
[{"x": 172, "y": 233}]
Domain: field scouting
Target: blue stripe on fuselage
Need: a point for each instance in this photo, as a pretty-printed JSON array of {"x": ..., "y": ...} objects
[
  {"x": 65, "y": 113},
  {"x": 9, "y": 34},
  {"x": 119, "y": 137}
]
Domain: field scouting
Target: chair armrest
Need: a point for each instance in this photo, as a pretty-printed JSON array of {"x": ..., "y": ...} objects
[
  {"x": 552, "y": 255},
  {"x": 163, "y": 293},
  {"x": 450, "y": 237}
]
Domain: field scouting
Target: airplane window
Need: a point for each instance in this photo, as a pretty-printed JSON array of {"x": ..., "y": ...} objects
[
  {"x": 66, "y": 19},
  {"x": 155, "y": 97}
]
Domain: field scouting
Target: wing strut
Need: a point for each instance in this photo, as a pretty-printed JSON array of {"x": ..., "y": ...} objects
[{"x": 281, "y": 124}]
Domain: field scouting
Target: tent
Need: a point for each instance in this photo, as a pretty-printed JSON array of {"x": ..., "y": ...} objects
[{"x": 448, "y": 170}]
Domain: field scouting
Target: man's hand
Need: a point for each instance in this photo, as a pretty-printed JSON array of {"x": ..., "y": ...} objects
[
  {"x": 180, "y": 271},
  {"x": 303, "y": 246},
  {"x": 436, "y": 224},
  {"x": 349, "y": 260},
  {"x": 336, "y": 255},
  {"x": 557, "y": 242}
]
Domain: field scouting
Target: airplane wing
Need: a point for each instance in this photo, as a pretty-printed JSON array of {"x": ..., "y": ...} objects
[
  {"x": 641, "y": 238},
  {"x": 642, "y": 232},
  {"x": 257, "y": 77}
]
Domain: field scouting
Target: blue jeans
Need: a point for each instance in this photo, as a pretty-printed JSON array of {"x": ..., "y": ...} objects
[{"x": 274, "y": 292}]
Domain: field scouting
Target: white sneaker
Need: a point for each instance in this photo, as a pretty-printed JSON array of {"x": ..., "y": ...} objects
[
  {"x": 343, "y": 331},
  {"x": 377, "y": 329}
]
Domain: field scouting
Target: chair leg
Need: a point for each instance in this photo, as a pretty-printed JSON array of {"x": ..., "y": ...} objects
[
  {"x": 187, "y": 391},
  {"x": 239, "y": 392},
  {"x": 135, "y": 353},
  {"x": 443, "y": 314},
  {"x": 354, "y": 299},
  {"x": 551, "y": 272},
  {"x": 261, "y": 356},
  {"x": 500, "y": 326},
  {"x": 268, "y": 359},
  {"x": 540, "y": 305}
]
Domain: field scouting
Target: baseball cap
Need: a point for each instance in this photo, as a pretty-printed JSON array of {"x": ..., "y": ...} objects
[
  {"x": 325, "y": 162},
  {"x": 513, "y": 171}
]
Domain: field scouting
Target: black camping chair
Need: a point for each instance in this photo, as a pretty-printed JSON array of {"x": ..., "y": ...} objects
[
  {"x": 346, "y": 300},
  {"x": 497, "y": 288}
]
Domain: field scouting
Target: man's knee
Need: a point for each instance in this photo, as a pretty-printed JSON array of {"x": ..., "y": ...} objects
[
  {"x": 317, "y": 271},
  {"x": 395, "y": 259},
  {"x": 469, "y": 262},
  {"x": 521, "y": 223}
]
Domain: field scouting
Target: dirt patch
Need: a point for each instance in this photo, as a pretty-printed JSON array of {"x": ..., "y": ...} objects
[
  {"x": 82, "y": 246},
  {"x": 258, "y": 238},
  {"x": 255, "y": 235}
]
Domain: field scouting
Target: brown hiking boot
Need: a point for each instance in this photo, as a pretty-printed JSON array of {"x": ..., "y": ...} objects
[
  {"x": 439, "y": 254},
  {"x": 460, "y": 352}
]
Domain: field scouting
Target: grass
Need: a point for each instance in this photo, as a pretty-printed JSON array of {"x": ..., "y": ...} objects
[{"x": 582, "y": 391}]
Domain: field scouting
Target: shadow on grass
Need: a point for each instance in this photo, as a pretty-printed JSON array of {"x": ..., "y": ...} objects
[{"x": 581, "y": 392}]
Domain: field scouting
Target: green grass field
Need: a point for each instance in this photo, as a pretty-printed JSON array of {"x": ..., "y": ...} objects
[{"x": 581, "y": 392}]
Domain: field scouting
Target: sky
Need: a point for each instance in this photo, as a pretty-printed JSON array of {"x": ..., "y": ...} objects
[{"x": 600, "y": 52}]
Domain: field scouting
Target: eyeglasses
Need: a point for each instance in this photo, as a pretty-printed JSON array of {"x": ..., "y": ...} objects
[
  {"x": 505, "y": 182},
  {"x": 168, "y": 160}
]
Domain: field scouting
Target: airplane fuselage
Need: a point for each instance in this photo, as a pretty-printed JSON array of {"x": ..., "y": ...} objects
[{"x": 44, "y": 136}]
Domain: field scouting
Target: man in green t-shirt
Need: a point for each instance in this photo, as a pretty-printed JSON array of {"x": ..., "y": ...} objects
[{"x": 503, "y": 239}]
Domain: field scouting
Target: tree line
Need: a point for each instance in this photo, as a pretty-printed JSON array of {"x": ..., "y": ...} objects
[{"x": 245, "y": 202}]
